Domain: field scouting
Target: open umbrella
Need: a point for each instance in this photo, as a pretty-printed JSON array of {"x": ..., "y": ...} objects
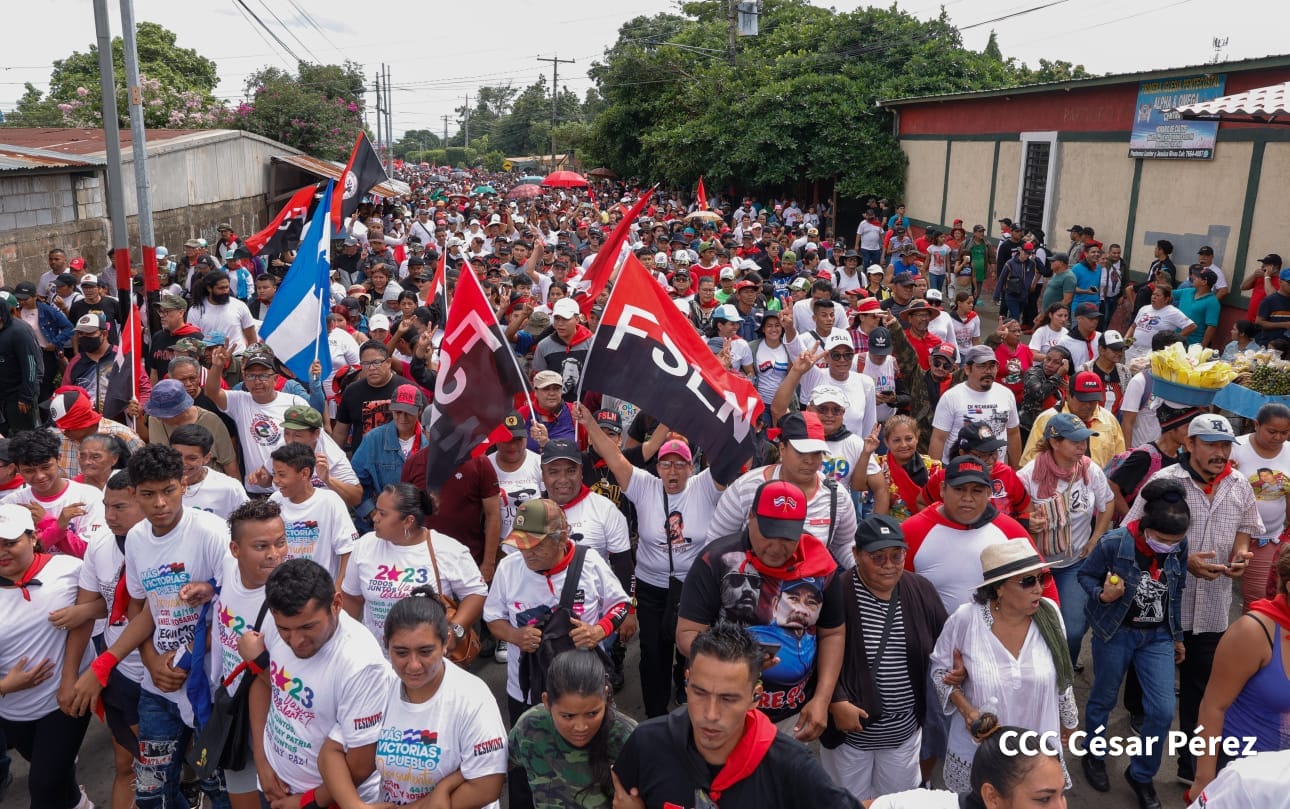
[
  {"x": 484, "y": 189},
  {"x": 608, "y": 174},
  {"x": 524, "y": 192},
  {"x": 531, "y": 179},
  {"x": 711, "y": 215},
  {"x": 564, "y": 179},
  {"x": 459, "y": 174}
]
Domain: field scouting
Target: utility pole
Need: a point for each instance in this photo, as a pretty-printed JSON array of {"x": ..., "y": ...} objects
[
  {"x": 389, "y": 124},
  {"x": 380, "y": 118},
  {"x": 732, "y": 30},
  {"x": 555, "y": 61},
  {"x": 139, "y": 140},
  {"x": 120, "y": 234},
  {"x": 445, "y": 131},
  {"x": 466, "y": 122}
]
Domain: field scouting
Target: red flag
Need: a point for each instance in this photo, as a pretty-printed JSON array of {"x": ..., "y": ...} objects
[
  {"x": 363, "y": 171},
  {"x": 123, "y": 387},
  {"x": 702, "y": 195},
  {"x": 283, "y": 233},
  {"x": 645, "y": 351},
  {"x": 439, "y": 284},
  {"x": 477, "y": 383},
  {"x": 602, "y": 267}
]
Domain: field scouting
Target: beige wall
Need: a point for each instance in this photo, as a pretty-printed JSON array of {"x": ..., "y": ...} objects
[
  {"x": 1094, "y": 184},
  {"x": 1271, "y": 221},
  {"x": 924, "y": 178},
  {"x": 970, "y": 163},
  {"x": 1005, "y": 192}
]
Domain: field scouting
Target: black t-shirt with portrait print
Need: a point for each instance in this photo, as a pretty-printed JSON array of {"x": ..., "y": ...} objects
[
  {"x": 1150, "y": 604},
  {"x": 364, "y": 408}
]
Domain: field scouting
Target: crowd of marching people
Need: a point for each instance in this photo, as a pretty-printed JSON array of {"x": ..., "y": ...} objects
[{"x": 252, "y": 578}]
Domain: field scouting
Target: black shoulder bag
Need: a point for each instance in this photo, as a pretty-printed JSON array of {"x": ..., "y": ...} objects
[
  {"x": 224, "y": 742},
  {"x": 556, "y": 627}
]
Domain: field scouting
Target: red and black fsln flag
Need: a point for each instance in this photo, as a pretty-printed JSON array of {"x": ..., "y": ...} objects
[
  {"x": 646, "y": 352},
  {"x": 284, "y": 232},
  {"x": 477, "y": 382}
]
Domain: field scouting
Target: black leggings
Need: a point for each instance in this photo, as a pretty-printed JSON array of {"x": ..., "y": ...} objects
[
  {"x": 659, "y": 657},
  {"x": 49, "y": 744}
]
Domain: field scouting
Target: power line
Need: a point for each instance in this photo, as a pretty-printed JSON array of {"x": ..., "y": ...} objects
[
  {"x": 267, "y": 30},
  {"x": 257, "y": 30},
  {"x": 309, "y": 18},
  {"x": 289, "y": 30}
]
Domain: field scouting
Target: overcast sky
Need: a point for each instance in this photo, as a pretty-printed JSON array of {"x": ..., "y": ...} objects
[{"x": 440, "y": 51}]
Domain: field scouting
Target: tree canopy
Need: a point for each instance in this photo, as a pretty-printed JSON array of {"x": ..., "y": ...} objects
[
  {"x": 177, "y": 86},
  {"x": 318, "y": 109},
  {"x": 797, "y": 103}
]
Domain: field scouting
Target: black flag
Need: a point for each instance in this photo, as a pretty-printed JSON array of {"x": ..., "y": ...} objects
[{"x": 363, "y": 171}]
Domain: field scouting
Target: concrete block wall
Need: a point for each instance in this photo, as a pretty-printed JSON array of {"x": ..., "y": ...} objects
[{"x": 27, "y": 237}]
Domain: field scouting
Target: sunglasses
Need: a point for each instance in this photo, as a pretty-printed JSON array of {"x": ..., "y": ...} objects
[
  {"x": 893, "y": 558},
  {"x": 942, "y": 363},
  {"x": 1027, "y": 582},
  {"x": 841, "y": 355},
  {"x": 741, "y": 579}
]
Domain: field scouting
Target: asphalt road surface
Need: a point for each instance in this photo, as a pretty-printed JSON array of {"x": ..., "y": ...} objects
[{"x": 95, "y": 765}]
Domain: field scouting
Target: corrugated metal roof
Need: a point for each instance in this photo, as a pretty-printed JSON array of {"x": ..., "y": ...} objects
[
  {"x": 80, "y": 141},
  {"x": 17, "y": 158},
  {"x": 332, "y": 170},
  {"x": 1261, "y": 63},
  {"x": 1260, "y": 104}
]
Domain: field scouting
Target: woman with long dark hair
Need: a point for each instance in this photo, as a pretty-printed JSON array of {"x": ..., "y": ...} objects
[
  {"x": 401, "y": 543},
  {"x": 567, "y": 745},
  {"x": 462, "y": 749}
]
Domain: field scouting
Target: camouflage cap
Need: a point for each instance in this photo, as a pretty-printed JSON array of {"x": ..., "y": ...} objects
[
  {"x": 258, "y": 354},
  {"x": 192, "y": 346}
]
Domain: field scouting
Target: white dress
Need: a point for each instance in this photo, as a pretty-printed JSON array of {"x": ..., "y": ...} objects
[{"x": 1020, "y": 691}]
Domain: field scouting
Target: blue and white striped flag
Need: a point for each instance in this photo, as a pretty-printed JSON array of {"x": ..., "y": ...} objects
[{"x": 295, "y": 326}]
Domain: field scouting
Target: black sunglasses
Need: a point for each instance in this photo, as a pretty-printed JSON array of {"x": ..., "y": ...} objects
[{"x": 1027, "y": 582}]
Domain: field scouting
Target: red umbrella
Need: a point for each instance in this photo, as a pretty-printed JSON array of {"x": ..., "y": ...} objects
[
  {"x": 524, "y": 192},
  {"x": 564, "y": 179}
]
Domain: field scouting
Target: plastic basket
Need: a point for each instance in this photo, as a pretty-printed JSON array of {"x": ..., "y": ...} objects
[
  {"x": 1244, "y": 402},
  {"x": 1183, "y": 394}
]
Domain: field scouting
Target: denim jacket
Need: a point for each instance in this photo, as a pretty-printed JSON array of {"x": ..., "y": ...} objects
[
  {"x": 1115, "y": 553},
  {"x": 54, "y": 325},
  {"x": 377, "y": 461}
]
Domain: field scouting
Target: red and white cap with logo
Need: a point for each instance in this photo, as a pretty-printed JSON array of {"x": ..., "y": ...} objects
[{"x": 780, "y": 508}]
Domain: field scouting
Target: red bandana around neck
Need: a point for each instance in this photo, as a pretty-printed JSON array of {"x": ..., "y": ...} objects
[
  {"x": 758, "y": 736},
  {"x": 29, "y": 579},
  {"x": 577, "y": 498},
  {"x": 1140, "y": 544},
  {"x": 1278, "y": 609}
]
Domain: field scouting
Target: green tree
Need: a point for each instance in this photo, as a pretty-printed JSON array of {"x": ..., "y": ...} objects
[
  {"x": 798, "y": 102},
  {"x": 318, "y": 109},
  {"x": 415, "y": 140},
  {"x": 177, "y": 85}
]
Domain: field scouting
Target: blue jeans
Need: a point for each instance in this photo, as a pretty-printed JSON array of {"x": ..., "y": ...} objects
[
  {"x": 935, "y": 281},
  {"x": 869, "y": 257},
  {"x": 1011, "y": 307},
  {"x": 163, "y": 741},
  {"x": 1073, "y": 600},
  {"x": 1151, "y": 651}
]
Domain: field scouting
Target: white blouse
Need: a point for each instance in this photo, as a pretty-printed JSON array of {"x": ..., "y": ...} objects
[{"x": 1020, "y": 691}]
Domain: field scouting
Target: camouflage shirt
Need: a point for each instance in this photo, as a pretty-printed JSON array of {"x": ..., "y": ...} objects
[{"x": 559, "y": 774}]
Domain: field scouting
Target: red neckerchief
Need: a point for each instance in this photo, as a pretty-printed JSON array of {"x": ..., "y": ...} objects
[
  {"x": 577, "y": 498},
  {"x": 549, "y": 416},
  {"x": 904, "y": 484},
  {"x": 1208, "y": 488},
  {"x": 1140, "y": 544},
  {"x": 29, "y": 579},
  {"x": 810, "y": 559},
  {"x": 560, "y": 565},
  {"x": 416, "y": 439},
  {"x": 714, "y": 303},
  {"x": 758, "y": 736},
  {"x": 1278, "y": 609}
]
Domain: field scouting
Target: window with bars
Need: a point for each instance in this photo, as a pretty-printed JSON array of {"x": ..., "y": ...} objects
[{"x": 1034, "y": 183}]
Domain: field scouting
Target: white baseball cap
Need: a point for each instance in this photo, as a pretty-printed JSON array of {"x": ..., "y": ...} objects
[
  {"x": 378, "y": 321},
  {"x": 15, "y": 520},
  {"x": 566, "y": 308}
]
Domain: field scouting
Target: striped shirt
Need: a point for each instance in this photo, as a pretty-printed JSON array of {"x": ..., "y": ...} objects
[{"x": 890, "y": 674}]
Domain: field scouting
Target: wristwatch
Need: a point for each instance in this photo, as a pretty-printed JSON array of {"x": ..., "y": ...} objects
[{"x": 458, "y": 631}]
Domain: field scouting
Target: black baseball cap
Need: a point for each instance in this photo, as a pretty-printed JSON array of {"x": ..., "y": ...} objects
[{"x": 878, "y": 532}]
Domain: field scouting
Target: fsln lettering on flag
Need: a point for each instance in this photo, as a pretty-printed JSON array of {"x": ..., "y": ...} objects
[
  {"x": 646, "y": 352},
  {"x": 477, "y": 383}
]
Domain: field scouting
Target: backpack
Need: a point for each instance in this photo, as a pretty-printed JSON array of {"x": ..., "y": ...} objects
[
  {"x": 1015, "y": 285},
  {"x": 1156, "y": 460},
  {"x": 1045, "y": 267},
  {"x": 556, "y": 627}
]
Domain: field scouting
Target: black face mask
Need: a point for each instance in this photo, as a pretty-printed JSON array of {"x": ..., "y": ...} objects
[
  {"x": 89, "y": 345},
  {"x": 220, "y": 299}
]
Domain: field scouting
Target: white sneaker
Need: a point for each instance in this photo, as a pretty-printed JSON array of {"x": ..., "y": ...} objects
[{"x": 499, "y": 654}]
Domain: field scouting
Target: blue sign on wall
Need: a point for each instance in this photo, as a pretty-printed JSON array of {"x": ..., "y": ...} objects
[{"x": 1158, "y": 134}]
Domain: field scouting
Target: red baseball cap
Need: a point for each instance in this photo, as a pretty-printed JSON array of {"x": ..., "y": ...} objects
[
  {"x": 407, "y": 399},
  {"x": 1087, "y": 387},
  {"x": 780, "y": 508}
]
